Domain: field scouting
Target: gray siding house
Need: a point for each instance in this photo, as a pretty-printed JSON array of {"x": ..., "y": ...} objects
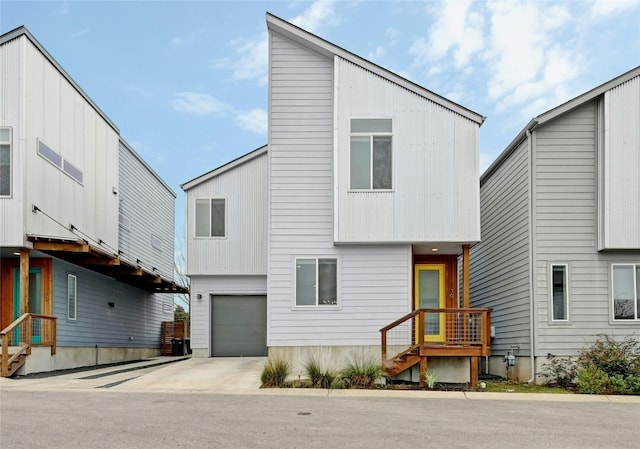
[
  {"x": 86, "y": 226},
  {"x": 559, "y": 260},
  {"x": 353, "y": 216}
]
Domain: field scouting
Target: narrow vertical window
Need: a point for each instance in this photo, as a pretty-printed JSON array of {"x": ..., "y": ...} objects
[
  {"x": 559, "y": 293},
  {"x": 210, "y": 217},
  {"x": 626, "y": 293},
  {"x": 72, "y": 302},
  {"x": 5, "y": 162}
]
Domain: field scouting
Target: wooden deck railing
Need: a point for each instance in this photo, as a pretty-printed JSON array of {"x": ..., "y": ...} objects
[{"x": 19, "y": 337}]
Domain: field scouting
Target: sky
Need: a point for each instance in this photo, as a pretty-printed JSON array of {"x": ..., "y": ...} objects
[{"x": 186, "y": 81}]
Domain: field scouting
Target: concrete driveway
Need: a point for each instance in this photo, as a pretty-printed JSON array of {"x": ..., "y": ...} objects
[{"x": 225, "y": 374}]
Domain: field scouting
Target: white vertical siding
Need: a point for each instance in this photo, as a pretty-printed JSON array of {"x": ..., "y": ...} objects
[
  {"x": 205, "y": 286},
  {"x": 58, "y": 115},
  {"x": 11, "y": 112},
  {"x": 374, "y": 281},
  {"x": 244, "y": 249},
  {"x": 621, "y": 169},
  {"x": 435, "y": 193},
  {"x": 150, "y": 208},
  {"x": 500, "y": 263},
  {"x": 566, "y": 232}
]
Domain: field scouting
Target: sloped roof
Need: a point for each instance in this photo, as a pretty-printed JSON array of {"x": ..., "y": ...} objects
[
  {"x": 556, "y": 112},
  {"x": 224, "y": 168},
  {"x": 328, "y": 49}
]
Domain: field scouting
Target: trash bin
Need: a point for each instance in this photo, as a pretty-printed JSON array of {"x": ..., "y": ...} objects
[
  {"x": 177, "y": 346},
  {"x": 187, "y": 343}
]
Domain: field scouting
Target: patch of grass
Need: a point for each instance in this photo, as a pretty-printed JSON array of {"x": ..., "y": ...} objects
[
  {"x": 514, "y": 387},
  {"x": 360, "y": 373},
  {"x": 274, "y": 373},
  {"x": 319, "y": 377}
]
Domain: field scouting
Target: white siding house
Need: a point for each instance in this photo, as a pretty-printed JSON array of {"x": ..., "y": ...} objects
[
  {"x": 86, "y": 226},
  {"x": 368, "y": 180},
  {"x": 559, "y": 260}
]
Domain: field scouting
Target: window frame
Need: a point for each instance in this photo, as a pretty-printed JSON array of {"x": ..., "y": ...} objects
[
  {"x": 635, "y": 270},
  {"x": 317, "y": 305},
  {"x": 195, "y": 218},
  {"x": 9, "y": 143},
  {"x": 71, "y": 276},
  {"x": 371, "y": 135},
  {"x": 553, "y": 319}
]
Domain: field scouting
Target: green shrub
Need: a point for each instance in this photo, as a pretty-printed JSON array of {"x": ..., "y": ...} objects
[
  {"x": 592, "y": 380},
  {"x": 320, "y": 378},
  {"x": 360, "y": 373},
  {"x": 560, "y": 371},
  {"x": 274, "y": 373}
]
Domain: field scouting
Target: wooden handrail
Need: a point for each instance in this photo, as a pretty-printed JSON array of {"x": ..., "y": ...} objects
[{"x": 48, "y": 338}]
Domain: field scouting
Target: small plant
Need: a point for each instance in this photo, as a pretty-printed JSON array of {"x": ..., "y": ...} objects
[
  {"x": 360, "y": 373},
  {"x": 432, "y": 378},
  {"x": 560, "y": 371},
  {"x": 317, "y": 376},
  {"x": 274, "y": 373}
]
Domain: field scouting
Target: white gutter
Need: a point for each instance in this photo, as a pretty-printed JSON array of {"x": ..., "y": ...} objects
[{"x": 532, "y": 357}]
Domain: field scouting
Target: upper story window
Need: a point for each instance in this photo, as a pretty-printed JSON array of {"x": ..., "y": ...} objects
[
  {"x": 559, "y": 293},
  {"x": 5, "y": 161},
  {"x": 156, "y": 242},
  {"x": 316, "y": 282},
  {"x": 626, "y": 291},
  {"x": 370, "y": 159},
  {"x": 211, "y": 217},
  {"x": 47, "y": 153}
]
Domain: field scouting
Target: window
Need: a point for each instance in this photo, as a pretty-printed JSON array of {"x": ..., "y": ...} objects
[
  {"x": 559, "y": 293},
  {"x": 316, "y": 282},
  {"x": 5, "y": 161},
  {"x": 370, "y": 155},
  {"x": 124, "y": 221},
  {"x": 156, "y": 242},
  {"x": 210, "y": 217},
  {"x": 47, "y": 153},
  {"x": 626, "y": 291},
  {"x": 72, "y": 302}
]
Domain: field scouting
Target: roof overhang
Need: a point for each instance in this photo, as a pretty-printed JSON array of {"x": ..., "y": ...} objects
[{"x": 80, "y": 252}]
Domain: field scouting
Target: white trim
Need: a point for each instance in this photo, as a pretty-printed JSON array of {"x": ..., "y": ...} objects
[
  {"x": 71, "y": 276},
  {"x": 636, "y": 311},
  {"x": 372, "y": 134},
  {"x": 552, "y": 319},
  {"x": 316, "y": 306},
  {"x": 195, "y": 221}
]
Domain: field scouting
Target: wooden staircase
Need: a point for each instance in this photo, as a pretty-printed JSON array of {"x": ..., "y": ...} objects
[
  {"x": 462, "y": 333},
  {"x": 17, "y": 339}
]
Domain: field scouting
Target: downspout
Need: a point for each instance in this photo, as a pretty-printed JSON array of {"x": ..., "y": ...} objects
[{"x": 532, "y": 357}]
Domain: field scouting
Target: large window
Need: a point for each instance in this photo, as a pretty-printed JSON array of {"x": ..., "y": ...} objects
[
  {"x": 72, "y": 301},
  {"x": 626, "y": 291},
  {"x": 559, "y": 293},
  {"x": 316, "y": 282},
  {"x": 5, "y": 162},
  {"x": 210, "y": 217},
  {"x": 370, "y": 163}
]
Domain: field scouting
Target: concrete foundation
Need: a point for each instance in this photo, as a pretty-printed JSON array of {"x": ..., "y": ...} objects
[{"x": 41, "y": 359}]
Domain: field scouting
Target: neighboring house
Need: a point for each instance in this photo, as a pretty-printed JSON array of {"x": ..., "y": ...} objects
[
  {"x": 86, "y": 226},
  {"x": 353, "y": 216},
  {"x": 559, "y": 260}
]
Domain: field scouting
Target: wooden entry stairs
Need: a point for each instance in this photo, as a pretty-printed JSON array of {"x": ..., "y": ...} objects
[
  {"x": 454, "y": 333},
  {"x": 19, "y": 337}
]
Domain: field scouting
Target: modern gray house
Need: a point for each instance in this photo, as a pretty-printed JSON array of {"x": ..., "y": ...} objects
[
  {"x": 351, "y": 220},
  {"x": 86, "y": 226},
  {"x": 559, "y": 260}
]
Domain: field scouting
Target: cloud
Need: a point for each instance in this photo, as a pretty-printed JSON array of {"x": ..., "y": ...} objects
[
  {"x": 195, "y": 36},
  {"x": 606, "y": 8},
  {"x": 198, "y": 104},
  {"x": 254, "y": 120},
  {"x": 81, "y": 32},
  {"x": 251, "y": 59}
]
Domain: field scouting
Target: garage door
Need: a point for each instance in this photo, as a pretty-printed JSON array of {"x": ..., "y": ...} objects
[{"x": 238, "y": 326}]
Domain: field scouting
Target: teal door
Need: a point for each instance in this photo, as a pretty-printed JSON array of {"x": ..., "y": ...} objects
[{"x": 35, "y": 302}]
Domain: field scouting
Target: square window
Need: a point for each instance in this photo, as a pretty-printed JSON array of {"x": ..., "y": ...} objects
[
  {"x": 210, "y": 217},
  {"x": 316, "y": 282}
]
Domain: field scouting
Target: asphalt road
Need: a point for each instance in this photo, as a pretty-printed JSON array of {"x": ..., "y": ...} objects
[{"x": 111, "y": 419}]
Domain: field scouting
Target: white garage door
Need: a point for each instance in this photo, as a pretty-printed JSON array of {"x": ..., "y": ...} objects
[{"x": 238, "y": 326}]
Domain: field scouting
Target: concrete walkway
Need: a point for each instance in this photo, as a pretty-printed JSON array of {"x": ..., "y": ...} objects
[{"x": 241, "y": 375}]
